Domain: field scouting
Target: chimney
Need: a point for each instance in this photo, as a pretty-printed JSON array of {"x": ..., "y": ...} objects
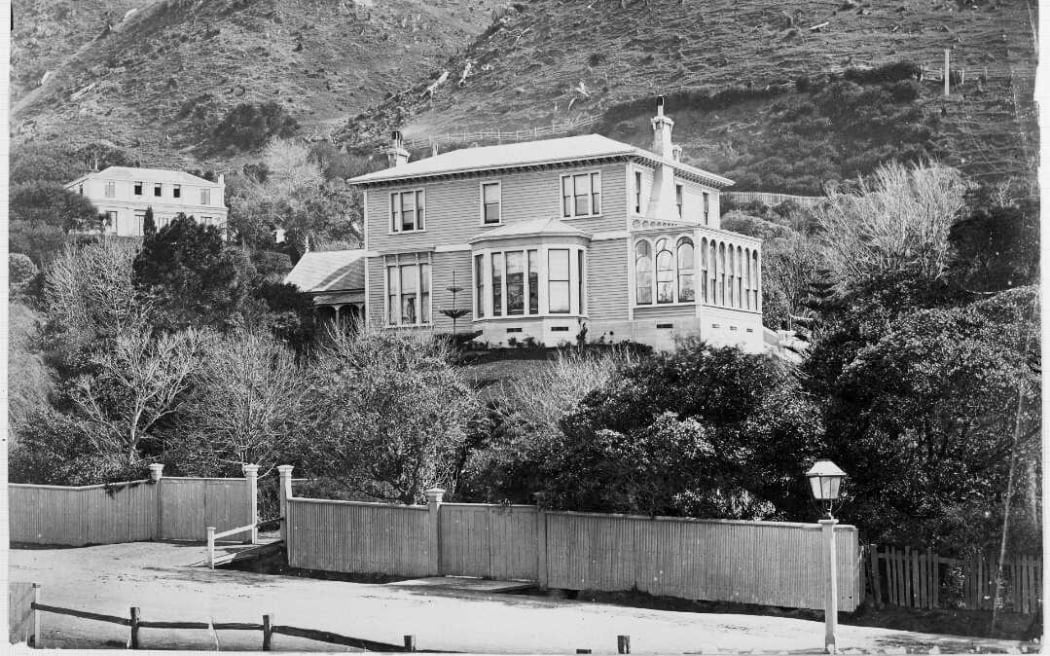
[
  {"x": 662, "y": 199},
  {"x": 397, "y": 155},
  {"x": 222, "y": 179},
  {"x": 662, "y": 126},
  {"x": 433, "y": 150}
]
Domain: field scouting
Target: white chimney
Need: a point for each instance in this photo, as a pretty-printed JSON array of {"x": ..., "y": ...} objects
[
  {"x": 397, "y": 155},
  {"x": 676, "y": 153},
  {"x": 662, "y": 199},
  {"x": 222, "y": 179},
  {"x": 662, "y": 126}
]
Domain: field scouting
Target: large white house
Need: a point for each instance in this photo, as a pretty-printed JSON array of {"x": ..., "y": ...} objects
[
  {"x": 123, "y": 194},
  {"x": 540, "y": 239}
]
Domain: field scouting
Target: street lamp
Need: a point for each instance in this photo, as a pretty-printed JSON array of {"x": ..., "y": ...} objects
[{"x": 825, "y": 479}]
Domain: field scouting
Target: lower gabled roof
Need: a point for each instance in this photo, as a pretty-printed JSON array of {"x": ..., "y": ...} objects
[{"x": 329, "y": 271}]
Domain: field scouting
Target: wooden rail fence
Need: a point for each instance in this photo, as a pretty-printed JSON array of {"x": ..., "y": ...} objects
[
  {"x": 922, "y": 579},
  {"x": 268, "y": 627}
]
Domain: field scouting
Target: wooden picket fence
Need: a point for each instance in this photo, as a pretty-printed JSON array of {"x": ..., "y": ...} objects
[{"x": 922, "y": 579}]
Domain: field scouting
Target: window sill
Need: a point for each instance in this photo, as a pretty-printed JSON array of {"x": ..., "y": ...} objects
[
  {"x": 662, "y": 305},
  {"x": 582, "y": 216},
  {"x": 405, "y": 232}
]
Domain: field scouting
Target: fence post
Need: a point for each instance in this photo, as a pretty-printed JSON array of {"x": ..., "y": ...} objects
[
  {"x": 410, "y": 643},
  {"x": 134, "y": 627},
  {"x": 541, "y": 542},
  {"x": 251, "y": 479},
  {"x": 156, "y": 473},
  {"x": 434, "y": 496},
  {"x": 285, "y": 472},
  {"x": 211, "y": 547},
  {"x": 37, "y": 642},
  {"x": 267, "y": 631},
  {"x": 623, "y": 644}
]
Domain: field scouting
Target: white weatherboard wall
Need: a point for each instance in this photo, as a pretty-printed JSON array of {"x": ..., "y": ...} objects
[
  {"x": 168, "y": 509},
  {"x": 769, "y": 563}
]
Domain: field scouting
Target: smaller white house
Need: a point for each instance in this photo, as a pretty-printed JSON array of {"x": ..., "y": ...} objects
[{"x": 123, "y": 194}]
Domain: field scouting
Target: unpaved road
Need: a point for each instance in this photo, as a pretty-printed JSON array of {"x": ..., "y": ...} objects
[{"x": 159, "y": 578}]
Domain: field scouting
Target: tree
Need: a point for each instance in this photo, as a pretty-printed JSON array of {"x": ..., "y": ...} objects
[
  {"x": 923, "y": 419},
  {"x": 700, "y": 431},
  {"x": 192, "y": 277},
  {"x": 247, "y": 404},
  {"x": 135, "y": 384},
  {"x": 896, "y": 220},
  {"x": 42, "y": 213},
  {"x": 996, "y": 247},
  {"x": 522, "y": 431},
  {"x": 390, "y": 415},
  {"x": 90, "y": 299},
  {"x": 149, "y": 226}
]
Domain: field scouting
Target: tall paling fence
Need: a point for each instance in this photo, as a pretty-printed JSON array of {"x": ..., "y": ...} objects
[
  {"x": 771, "y": 199},
  {"x": 158, "y": 508},
  {"x": 769, "y": 563},
  {"x": 914, "y": 578}
]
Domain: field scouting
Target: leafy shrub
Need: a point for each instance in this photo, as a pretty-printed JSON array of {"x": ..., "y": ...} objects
[
  {"x": 249, "y": 126},
  {"x": 894, "y": 72},
  {"x": 20, "y": 270}
]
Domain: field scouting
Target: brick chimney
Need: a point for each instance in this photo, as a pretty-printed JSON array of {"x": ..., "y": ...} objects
[{"x": 397, "y": 155}]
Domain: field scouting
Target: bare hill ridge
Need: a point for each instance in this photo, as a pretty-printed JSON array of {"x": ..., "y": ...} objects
[
  {"x": 157, "y": 81},
  {"x": 551, "y": 62}
]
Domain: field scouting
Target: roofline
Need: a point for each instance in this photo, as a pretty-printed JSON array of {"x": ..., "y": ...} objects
[
  {"x": 629, "y": 154},
  {"x": 462, "y": 171}
]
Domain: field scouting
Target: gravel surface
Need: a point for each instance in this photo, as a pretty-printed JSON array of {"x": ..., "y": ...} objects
[{"x": 162, "y": 580}]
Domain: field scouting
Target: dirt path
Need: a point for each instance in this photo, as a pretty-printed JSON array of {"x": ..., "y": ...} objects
[{"x": 159, "y": 579}]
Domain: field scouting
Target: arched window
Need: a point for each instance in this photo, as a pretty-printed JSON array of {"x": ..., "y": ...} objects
[
  {"x": 711, "y": 282},
  {"x": 664, "y": 273},
  {"x": 703, "y": 270},
  {"x": 739, "y": 277},
  {"x": 643, "y": 273},
  {"x": 731, "y": 278},
  {"x": 686, "y": 275},
  {"x": 747, "y": 278},
  {"x": 756, "y": 280},
  {"x": 721, "y": 273}
]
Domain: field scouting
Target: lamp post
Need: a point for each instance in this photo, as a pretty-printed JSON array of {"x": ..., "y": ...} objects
[{"x": 825, "y": 478}]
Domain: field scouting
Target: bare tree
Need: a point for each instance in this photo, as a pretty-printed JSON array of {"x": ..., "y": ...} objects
[
  {"x": 897, "y": 219},
  {"x": 89, "y": 293},
  {"x": 137, "y": 383},
  {"x": 248, "y": 399}
]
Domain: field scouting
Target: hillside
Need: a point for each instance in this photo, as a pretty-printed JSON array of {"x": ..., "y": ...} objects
[
  {"x": 551, "y": 62},
  {"x": 159, "y": 79}
]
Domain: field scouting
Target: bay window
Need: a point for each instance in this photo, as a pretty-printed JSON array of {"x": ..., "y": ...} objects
[
  {"x": 511, "y": 282},
  {"x": 406, "y": 211},
  {"x": 408, "y": 282},
  {"x": 581, "y": 194}
]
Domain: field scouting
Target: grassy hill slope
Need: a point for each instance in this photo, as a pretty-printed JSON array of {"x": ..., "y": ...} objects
[
  {"x": 156, "y": 82},
  {"x": 549, "y": 61}
]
